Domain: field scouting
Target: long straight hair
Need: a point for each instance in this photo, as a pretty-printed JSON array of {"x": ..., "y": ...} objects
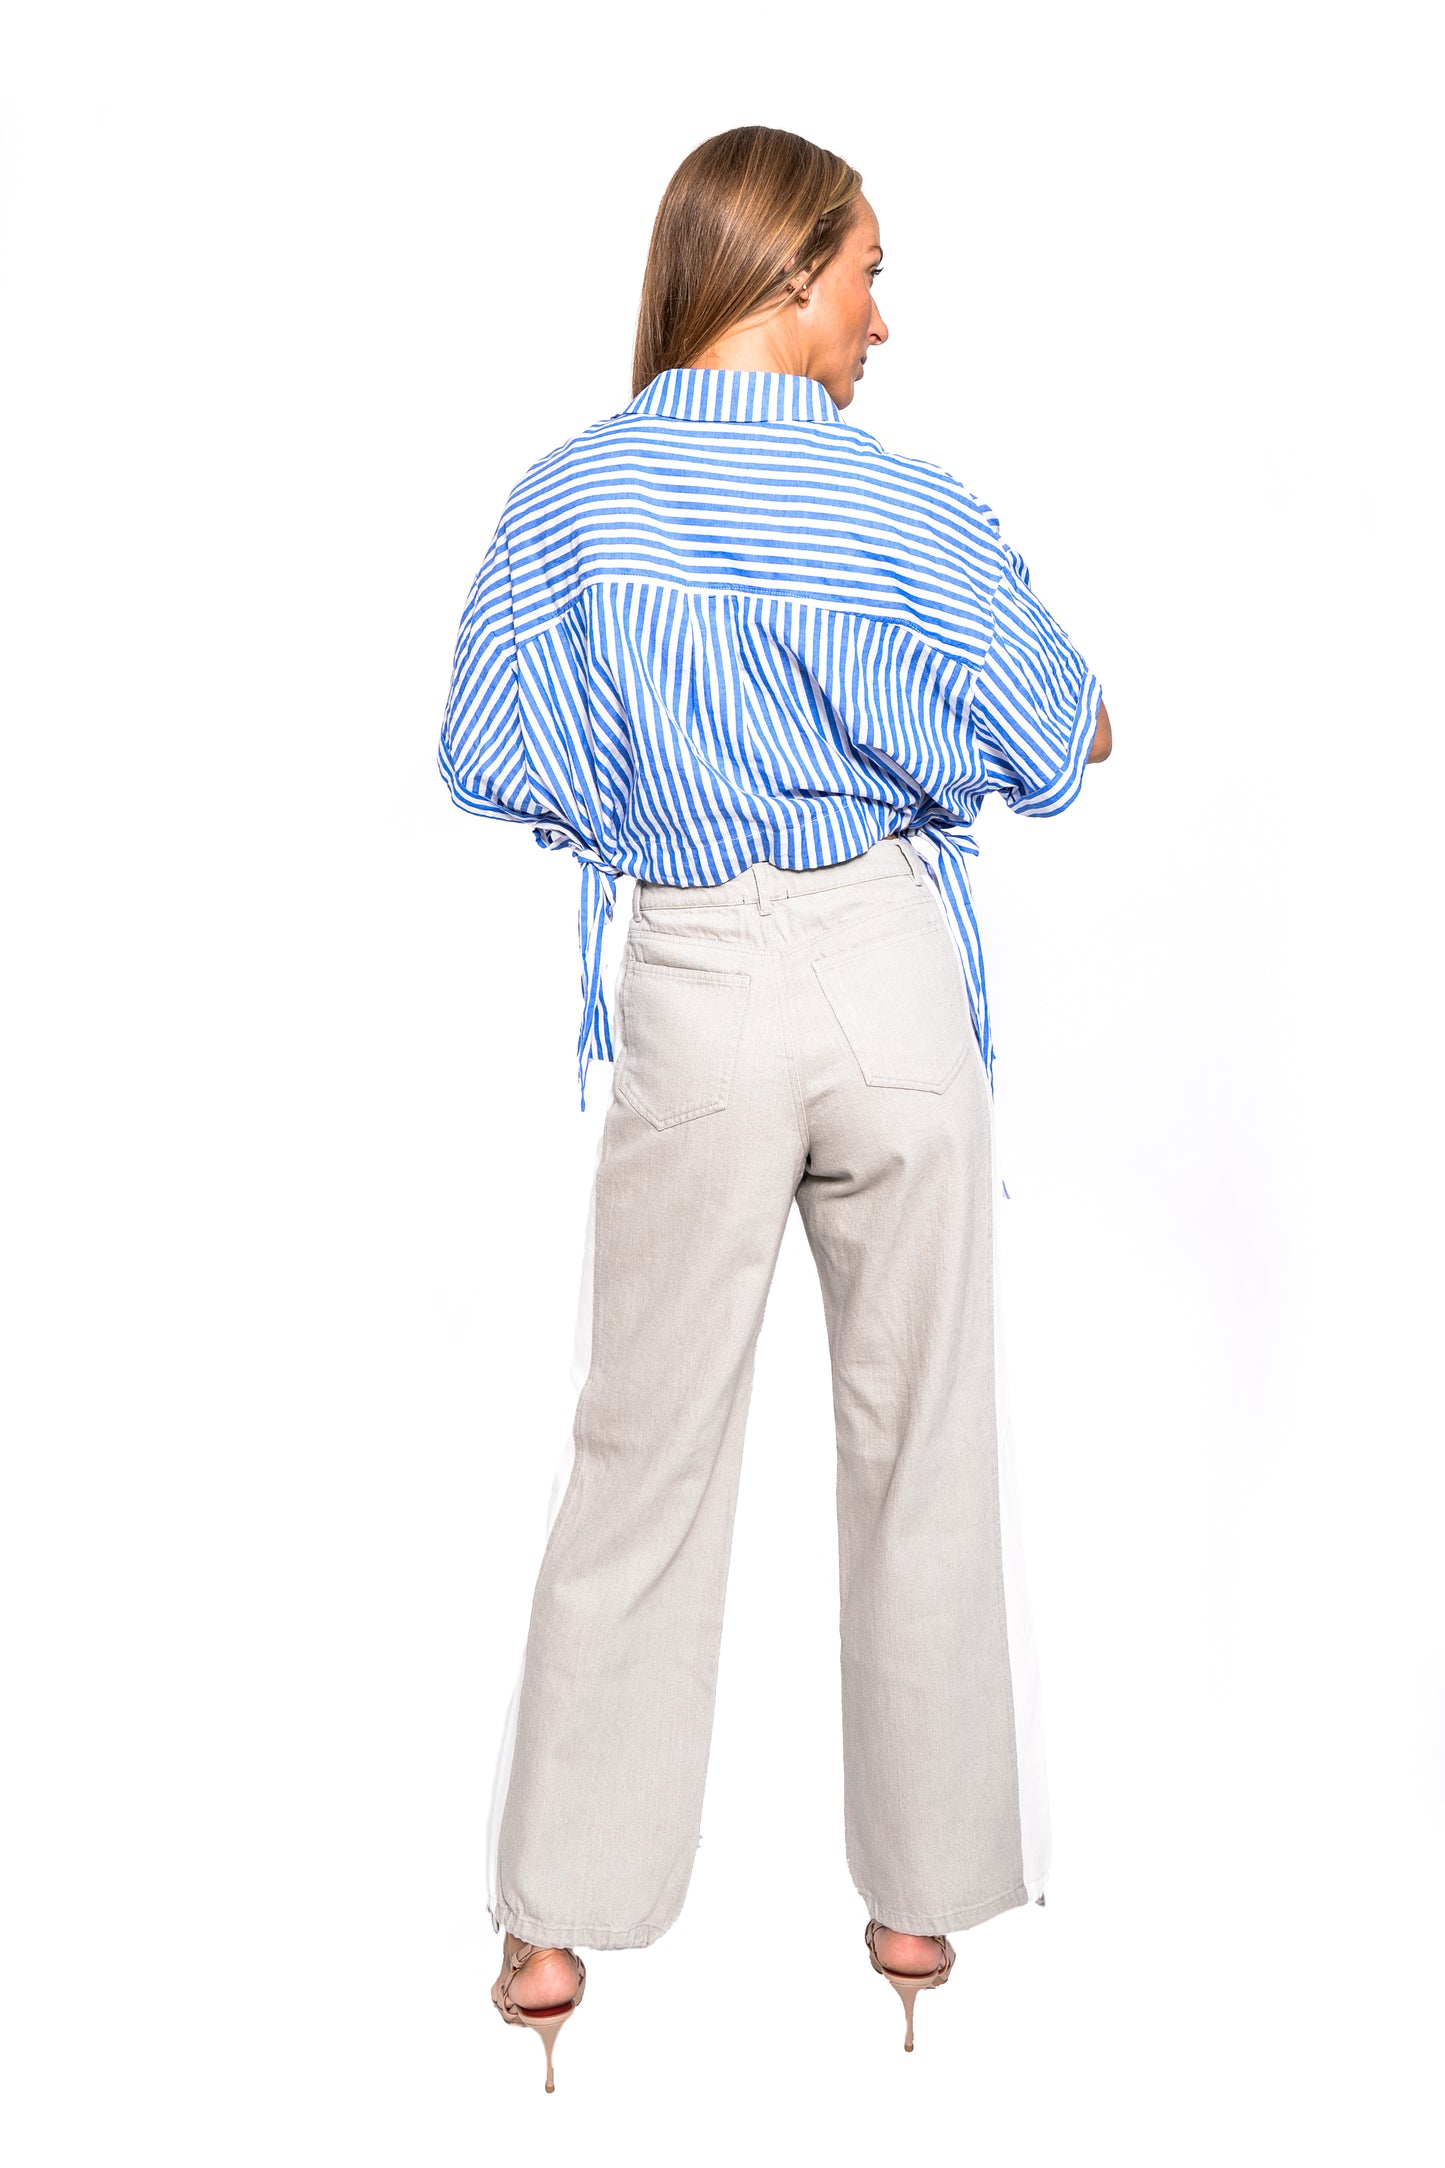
[{"x": 744, "y": 212}]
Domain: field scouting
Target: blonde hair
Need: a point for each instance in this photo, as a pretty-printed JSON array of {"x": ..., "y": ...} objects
[{"x": 744, "y": 212}]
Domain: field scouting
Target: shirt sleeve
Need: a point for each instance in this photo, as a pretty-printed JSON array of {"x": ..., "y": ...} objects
[
  {"x": 1035, "y": 701},
  {"x": 507, "y": 759},
  {"x": 482, "y": 755},
  {"x": 504, "y": 753}
]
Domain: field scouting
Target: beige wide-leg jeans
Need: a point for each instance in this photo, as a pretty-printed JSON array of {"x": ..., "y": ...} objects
[{"x": 783, "y": 1037}]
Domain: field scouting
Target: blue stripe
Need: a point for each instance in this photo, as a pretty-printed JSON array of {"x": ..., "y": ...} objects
[{"x": 724, "y": 624}]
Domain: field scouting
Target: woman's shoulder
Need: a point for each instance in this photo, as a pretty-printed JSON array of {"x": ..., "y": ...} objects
[
  {"x": 591, "y": 456},
  {"x": 929, "y": 479},
  {"x": 926, "y": 492}
]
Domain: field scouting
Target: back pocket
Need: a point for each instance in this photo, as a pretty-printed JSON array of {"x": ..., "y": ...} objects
[
  {"x": 680, "y": 1034},
  {"x": 901, "y": 1003}
]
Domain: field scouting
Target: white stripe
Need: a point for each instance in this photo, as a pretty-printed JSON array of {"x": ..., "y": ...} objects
[
  {"x": 581, "y": 1364},
  {"x": 1035, "y": 1836}
]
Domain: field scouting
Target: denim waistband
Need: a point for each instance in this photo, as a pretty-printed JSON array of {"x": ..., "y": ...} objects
[{"x": 764, "y": 884}]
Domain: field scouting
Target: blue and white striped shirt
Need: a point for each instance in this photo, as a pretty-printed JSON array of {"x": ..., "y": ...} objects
[{"x": 724, "y": 624}]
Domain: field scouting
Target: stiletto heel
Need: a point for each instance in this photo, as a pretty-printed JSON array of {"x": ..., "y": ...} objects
[
  {"x": 908, "y": 1983},
  {"x": 548, "y": 2022}
]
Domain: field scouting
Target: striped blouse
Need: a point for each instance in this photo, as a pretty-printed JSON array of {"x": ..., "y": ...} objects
[{"x": 724, "y": 624}]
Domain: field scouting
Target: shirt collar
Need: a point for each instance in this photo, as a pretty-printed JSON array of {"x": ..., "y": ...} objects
[{"x": 734, "y": 395}]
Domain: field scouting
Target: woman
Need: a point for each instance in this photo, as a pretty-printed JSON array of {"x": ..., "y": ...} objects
[{"x": 724, "y": 642}]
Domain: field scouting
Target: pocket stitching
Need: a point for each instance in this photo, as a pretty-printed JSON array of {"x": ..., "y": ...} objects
[
  {"x": 622, "y": 1084},
  {"x": 875, "y": 1078}
]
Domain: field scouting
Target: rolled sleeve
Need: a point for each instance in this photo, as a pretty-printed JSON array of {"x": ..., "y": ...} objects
[{"x": 1035, "y": 702}]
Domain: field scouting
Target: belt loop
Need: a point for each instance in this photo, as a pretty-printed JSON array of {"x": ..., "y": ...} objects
[
  {"x": 910, "y": 859},
  {"x": 765, "y": 901},
  {"x": 637, "y": 897}
]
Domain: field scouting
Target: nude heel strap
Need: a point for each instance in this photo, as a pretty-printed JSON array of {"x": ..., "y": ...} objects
[
  {"x": 547, "y": 2022},
  {"x": 909, "y": 1983}
]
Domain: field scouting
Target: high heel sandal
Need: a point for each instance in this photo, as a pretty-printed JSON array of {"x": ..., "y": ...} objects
[
  {"x": 548, "y": 2022},
  {"x": 908, "y": 1983}
]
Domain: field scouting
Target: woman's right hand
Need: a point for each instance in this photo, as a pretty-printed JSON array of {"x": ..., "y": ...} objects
[{"x": 1103, "y": 743}]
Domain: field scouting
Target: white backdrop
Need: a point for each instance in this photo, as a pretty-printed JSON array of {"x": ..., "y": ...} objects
[{"x": 296, "y": 1182}]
